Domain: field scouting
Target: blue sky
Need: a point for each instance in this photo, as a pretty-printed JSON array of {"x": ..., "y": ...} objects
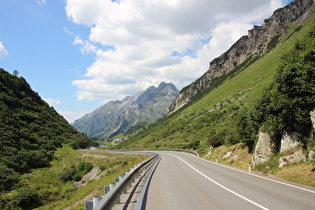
[{"x": 80, "y": 54}]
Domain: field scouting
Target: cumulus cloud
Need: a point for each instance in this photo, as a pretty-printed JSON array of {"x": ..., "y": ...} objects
[
  {"x": 86, "y": 46},
  {"x": 144, "y": 42},
  {"x": 52, "y": 101},
  {"x": 3, "y": 51}
]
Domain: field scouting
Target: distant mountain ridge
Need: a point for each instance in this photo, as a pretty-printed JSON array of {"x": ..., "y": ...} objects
[{"x": 119, "y": 116}]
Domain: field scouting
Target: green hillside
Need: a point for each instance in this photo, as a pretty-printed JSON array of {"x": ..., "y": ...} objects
[
  {"x": 229, "y": 111},
  {"x": 30, "y": 130}
]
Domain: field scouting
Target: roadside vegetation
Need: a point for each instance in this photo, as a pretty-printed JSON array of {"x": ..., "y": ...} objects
[
  {"x": 73, "y": 177},
  {"x": 238, "y": 156}
]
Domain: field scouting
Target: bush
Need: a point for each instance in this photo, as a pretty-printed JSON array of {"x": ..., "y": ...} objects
[
  {"x": 27, "y": 199},
  {"x": 84, "y": 167},
  {"x": 8, "y": 177},
  {"x": 67, "y": 174},
  {"x": 77, "y": 177},
  {"x": 75, "y": 172}
]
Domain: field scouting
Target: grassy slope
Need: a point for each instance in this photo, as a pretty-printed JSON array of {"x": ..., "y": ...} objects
[
  {"x": 57, "y": 195},
  {"x": 194, "y": 122}
]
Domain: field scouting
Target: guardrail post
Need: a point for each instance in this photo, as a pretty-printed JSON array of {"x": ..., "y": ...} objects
[
  {"x": 249, "y": 168},
  {"x": 118, "y": 197},
  {"x": 96, "y": 199},
  {"x": 88, "y": 205},
  {"x": 106, "y": 189},
  {"x": 111, "y": 185}
]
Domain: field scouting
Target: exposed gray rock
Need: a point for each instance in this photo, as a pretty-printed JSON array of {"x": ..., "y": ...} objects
[
  {"x": 264, "y": 149},
  {"x": 258, "y": 41},
  {"x": 118, "y": 116},
  {"x": 312, "y": 113},
  {"x": 228, "y": 155},
  {"x": 296, "y": 157},
  {"x": 288, "y": 141},
  {"x": 234, "y": 158},
  {"x": 311, "y": 155}
]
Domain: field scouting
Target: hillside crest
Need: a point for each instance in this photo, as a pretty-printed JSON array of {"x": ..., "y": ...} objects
[{"x": 259, "y": 40}]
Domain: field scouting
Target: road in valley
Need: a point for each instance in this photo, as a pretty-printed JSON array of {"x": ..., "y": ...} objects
[{"x": 184, "y": 181}]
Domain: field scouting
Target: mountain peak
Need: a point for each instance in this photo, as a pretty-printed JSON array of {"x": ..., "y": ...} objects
[
  {"x": 164, "y": 85},
  {"x": 113, "y": 118}
]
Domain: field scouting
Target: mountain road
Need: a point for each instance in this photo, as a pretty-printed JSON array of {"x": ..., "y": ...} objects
[{"x": 184, "y": 181}]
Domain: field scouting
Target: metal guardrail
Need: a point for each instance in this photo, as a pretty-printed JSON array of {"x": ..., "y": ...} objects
[
  {"x": 143, "y": 196},
  {"x": 117, "y": 188}
]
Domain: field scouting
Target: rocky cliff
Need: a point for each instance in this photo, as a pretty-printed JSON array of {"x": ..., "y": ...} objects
[
  {"x": 259, "y": 40},
  {"x": 118, "y": 116}
]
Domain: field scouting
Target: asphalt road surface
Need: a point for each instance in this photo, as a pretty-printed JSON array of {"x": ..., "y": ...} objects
[{"x": 183, "y": 181}]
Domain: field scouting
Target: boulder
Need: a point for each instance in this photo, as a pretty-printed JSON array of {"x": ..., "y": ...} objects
[
  {"x": 228, "y": 155},
  {"x": 264, "y": 149},
  {"x": 288, "y": 141},
  {"x": 296, "y": 157},
  {"x": 311, "y": 155}
]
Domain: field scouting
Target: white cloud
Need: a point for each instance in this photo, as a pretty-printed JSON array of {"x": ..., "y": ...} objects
[
  {"x": 71, "y": 116},
  {"x": 52, "y": 101},
  {"x": 41, "y": 3},
  {"x": 3, "y": 51},
  {"x": 65, "y": 29},
  {"x": 146, "y": 35},
  {"x": 86, "y": 47}
]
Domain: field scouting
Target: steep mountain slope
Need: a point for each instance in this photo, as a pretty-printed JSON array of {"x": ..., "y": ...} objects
[
  {"x": 118, "y": 116},
  {"x": 216, "y": 113},
  {"x": 30, "y": 130},
  {"x": 259, "y": 40}
]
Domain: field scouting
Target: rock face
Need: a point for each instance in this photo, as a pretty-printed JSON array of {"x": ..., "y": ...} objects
[
  {"x": 288, "y": 141},
  {"x": 264, "y": 148},
  {"x": 259, "y": 40},
  {"x": 296, "y": 157},
  {"x": 118, "y": 116}
]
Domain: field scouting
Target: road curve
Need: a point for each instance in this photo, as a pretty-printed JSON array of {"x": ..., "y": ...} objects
[{"x": 184, "y": 181}]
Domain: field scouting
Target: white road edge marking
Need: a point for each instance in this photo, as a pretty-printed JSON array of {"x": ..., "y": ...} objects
[
  {"x": 258, "y": 176},
  {"x": 220, "y": 185}
]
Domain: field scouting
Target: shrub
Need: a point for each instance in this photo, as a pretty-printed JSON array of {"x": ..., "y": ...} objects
[
  {"x": 27, "y": 199},
  {"x": 75, "y": 172},
  {"x": 84, "y": 167},
  {"x": 7, "y": 177},
  {"x": 67, "y": 174}
]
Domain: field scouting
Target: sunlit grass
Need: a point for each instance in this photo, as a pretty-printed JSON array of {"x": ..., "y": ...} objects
[{"x": 55, "y": 194}]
